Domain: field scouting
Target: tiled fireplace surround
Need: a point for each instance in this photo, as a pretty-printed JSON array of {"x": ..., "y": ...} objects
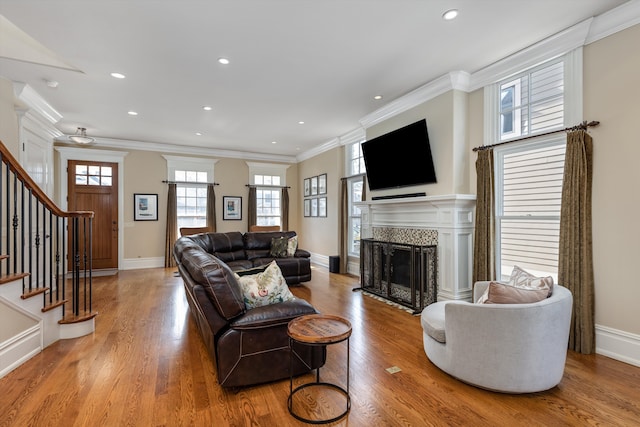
[{"x": 446, "y": 221}]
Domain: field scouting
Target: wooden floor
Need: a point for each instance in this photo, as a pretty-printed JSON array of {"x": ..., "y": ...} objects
[{"x": 146, "y": 366}]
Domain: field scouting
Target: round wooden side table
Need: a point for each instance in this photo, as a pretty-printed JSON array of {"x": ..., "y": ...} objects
[{"x": 318, "y": 330}]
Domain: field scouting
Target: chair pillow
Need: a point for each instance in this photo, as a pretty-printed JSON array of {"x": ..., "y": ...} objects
[
  {"x": 524, "y": 280},
  {"x": 279, "y": 247},
  {"x": 502, "y": 293},
  {"x": 268, "y": 287}
]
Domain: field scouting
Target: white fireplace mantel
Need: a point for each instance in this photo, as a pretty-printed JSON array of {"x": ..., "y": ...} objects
[{"x": 451, "y": 215}]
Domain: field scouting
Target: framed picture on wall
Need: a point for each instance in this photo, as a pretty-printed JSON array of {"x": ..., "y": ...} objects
[
  {"x": 307, "y": 207},
  {"x": 314, "y": 185},
  {"x": 322, "y": 206},
  {"x": 314, "y": 207},
  {"x": 322, "y": 184},
  {"x": 307, "y": 187},
  {"x": 145, "y": 207},
  {"x": 231, "y": 208}
]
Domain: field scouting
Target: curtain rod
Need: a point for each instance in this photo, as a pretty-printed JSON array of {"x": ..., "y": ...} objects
[
  {"x": 189, "y": 182},
  {"x": 584, "y": 125},
  {"x": 268, "y": 186},
  {"x": 353, "y": 176}
]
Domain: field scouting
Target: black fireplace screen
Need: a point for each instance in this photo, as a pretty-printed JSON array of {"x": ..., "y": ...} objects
[{"x": 403, "y": 273}]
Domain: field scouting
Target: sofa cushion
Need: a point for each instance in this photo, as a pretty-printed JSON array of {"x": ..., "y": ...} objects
[
  {"x": 218, "y": 281},
  {"x": 504, "y": 293},
  {"x": 258, "y": 244},
  {"x": 292, "y": 245},
  {"x": 268, "y": 287},
  {"x": 432, "y": 320},
  {"x": 279, "y": 247},
  {"x": 524, "y": 280}
]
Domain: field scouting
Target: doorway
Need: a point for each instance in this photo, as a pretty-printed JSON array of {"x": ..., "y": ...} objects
[{"x": 93, "y": 186}]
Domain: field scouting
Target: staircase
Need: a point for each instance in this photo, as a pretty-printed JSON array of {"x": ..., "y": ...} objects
[{"x": 45, "y": 268}]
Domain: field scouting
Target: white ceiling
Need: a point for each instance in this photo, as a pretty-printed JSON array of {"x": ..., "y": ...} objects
[{"x": 317, "y": 61}]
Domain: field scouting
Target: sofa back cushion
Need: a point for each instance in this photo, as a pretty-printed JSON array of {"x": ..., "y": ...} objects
[
  {"x": 217, "y": 279},
  {"x": 227, "y": 246},
  {"x": 258, "y": 244}
]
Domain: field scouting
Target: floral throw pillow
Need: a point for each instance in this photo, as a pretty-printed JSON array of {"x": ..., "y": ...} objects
[
  {"x": 268, "y": 287},
  {"x": 279, "y": 247},
  {"x": 292, "y": 245}
]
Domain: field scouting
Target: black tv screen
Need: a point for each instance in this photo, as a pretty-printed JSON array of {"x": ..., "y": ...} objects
[{"x": 400, "y": 158}]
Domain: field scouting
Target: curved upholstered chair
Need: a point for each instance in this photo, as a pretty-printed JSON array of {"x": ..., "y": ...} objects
[{"x": 511, "y": 348}]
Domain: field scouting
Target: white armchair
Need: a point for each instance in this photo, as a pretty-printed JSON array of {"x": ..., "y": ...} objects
[{"x": 511, "y": 348}]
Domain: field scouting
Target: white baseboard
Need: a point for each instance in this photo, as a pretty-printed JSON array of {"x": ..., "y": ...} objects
[
  {"x": 619, "y": 345},
  {"x": 138, "y": 263},
  {"x": 319, "y": 259},
  {"x": 17, "y": 350}
]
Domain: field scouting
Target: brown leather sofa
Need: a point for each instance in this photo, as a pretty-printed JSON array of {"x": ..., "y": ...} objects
[{"x": 248, "y": 346}]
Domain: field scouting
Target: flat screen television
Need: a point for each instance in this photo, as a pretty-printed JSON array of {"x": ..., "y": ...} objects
[{"x": 400, "y": 158}]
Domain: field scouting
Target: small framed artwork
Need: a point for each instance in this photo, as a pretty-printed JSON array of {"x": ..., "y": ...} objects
[
  {"x": 231, "y": 208},
  {"x": 314, "y": 207},
  {"x": 145, "y": 207},
  {"x": 307, "y": 187},
  {"x": 314, "y": 185},
  {"x": 322, "y": 184},
  {"x": 307, "y": 207},
  {"x": 322, "y": 206}
]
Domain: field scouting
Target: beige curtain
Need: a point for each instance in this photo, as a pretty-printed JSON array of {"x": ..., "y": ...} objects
[
  {"x": 344, "y": 226},
  {"x": 172, "y": 227},
  {"x": 484, "y": 266},
  {"x": 575, "y": 259},
  {"x": 252, "y": 208},
  {"x": 285, "y": 208},
  {"x": 211, "y": 208}
]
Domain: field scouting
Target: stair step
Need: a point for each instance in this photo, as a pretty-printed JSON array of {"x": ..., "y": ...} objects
[
  {"x": 77, "y": 319},
  {"x": 33, "y": 293},
  {"x": 11, "y": 277},
  {"x": 54, "y": 305}
]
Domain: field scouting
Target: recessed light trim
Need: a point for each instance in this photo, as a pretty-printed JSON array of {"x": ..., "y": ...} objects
[
  {"x": 223, "y": 61},
  {"x": 377, "y": 97},
  {"x": 274, "y": 142},
  {"x": 132, "y": 113},
  {"x": 198, "y": 133},
  {"x": 300, "y": 122},
  {"x": 118, "y": 75},
  {"x": 207, "y": 108},
  {"x": 450, "y": 14}
]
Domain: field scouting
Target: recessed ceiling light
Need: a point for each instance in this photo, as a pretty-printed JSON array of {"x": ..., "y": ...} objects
[
  {"x": 51, "y": 83},
  {"x": 118, "y": 75},
  {"x": 377, "y": 97},
  {"x": 132, "y": 113},
  {"x": 301, "y": 122},
  {"x": 199, "y": 133},
  {"x": 206, "y": 108},
  {"x": 274, "y": 142},
  {"x": 223, "y": 61},
  {"x": 450, "y": 14}
]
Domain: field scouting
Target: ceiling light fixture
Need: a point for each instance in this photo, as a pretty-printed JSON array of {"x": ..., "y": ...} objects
[
  {"x": 118, "y": 75},
  {"x": 198, "y": 133},
  {"x": 223, "y": 61},
  {"x": 450, "y": 14},
  {"x": 81, "y": 137},
  {"x": 274, "y": 142},
  {"x": 377, "y": 97},
  {"x": 132, "y": 113},
  {"x": 206, "y": 108},
  {"x": 300, "y": 122}
]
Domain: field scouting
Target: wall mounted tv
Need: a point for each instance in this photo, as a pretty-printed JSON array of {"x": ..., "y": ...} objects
[{"x": 400, "y": 158}]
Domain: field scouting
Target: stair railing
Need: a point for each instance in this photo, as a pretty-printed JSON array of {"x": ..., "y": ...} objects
[{"x": 47, "y": 248}]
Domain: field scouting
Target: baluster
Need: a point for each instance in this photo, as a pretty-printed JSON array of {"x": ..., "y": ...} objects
[
  {"x": 15, "y": 224},
  {"x": 27, "y": 244},
  {"x": 37, "y": 241},
  {"x": 50, "y": 276},
  {"x": 90, "y": 262},
  {"x": 1, "y": 166}
]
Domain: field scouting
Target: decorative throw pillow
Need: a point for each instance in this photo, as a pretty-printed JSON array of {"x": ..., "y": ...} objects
[
  {"x": 292, "y": 245},
  {"x": 523, "y": 280},
  {"x": 268, "y": 287},
  {"x": 278, "y": 247},
  {"x": 501, "y": 293}
]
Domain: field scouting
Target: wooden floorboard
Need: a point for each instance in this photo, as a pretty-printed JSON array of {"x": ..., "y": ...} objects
[{"x": 146, "y": 365}]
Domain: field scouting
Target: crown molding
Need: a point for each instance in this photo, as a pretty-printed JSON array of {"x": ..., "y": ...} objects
[
  {"x": 551, "y": 47},
  {"x": 356, "y": 135},
  {"x": 615, "y": 20},
  {"x": 333, "y": 143},
  {"x": 458, "y": 80},
  {"x": 29, "y": 97},
  {"x": 184, "y": 149}
]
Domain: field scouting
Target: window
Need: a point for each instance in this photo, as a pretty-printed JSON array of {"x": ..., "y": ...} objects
[
  {"x": 269, "y": 178},
  {"x": 356, "y": 168},
  {"x": 267, "y": 200},
  {"x": 191, "y": 176},
  {"x": 532, "y": 102},
  {"x": 529, "y": 173},
  {"x": 94, "y": 175}
]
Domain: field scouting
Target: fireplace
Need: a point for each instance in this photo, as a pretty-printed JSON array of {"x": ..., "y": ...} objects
[{"x": 402, "y": 273}]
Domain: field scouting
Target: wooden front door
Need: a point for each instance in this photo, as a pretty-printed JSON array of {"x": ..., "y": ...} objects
[{"x": 93, "y": 186}]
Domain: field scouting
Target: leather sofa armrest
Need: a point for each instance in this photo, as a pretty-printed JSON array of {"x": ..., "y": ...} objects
[
  {"x": 274, "y": 314},
  {"x": 301, "y": 253}
]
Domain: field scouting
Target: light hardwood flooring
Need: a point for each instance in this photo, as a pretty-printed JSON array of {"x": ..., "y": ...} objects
[{"x": 146, "y": 366}]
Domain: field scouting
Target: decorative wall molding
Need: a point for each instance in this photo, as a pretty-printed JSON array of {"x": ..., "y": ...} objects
[
  {"x": 615, "y": 20},
  {"x": 329, "y": 145},
  {"x": 619, "y": 345},
  {"x": 31, "y": 99}
]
